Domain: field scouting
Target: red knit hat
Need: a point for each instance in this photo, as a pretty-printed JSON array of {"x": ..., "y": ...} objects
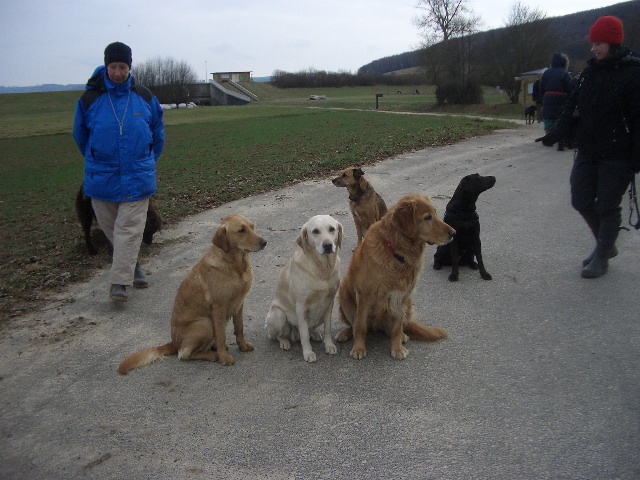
[{"x": 607, "y": 30}]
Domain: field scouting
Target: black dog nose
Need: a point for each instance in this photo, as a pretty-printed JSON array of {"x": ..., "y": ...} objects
[{"x": 327, "y": 247}]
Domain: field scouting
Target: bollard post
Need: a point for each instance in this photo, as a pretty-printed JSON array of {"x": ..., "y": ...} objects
[{"x": 378, "y": 95}]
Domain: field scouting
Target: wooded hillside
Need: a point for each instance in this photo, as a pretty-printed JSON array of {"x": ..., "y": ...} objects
[{"x": 569, "y": 36}]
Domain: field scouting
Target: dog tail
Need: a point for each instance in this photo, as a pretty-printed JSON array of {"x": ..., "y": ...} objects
[
  {"x": 417, "y": 331},
  {"x": 145, "y": 357}
]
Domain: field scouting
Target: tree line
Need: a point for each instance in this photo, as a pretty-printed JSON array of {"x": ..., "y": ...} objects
[
  {"x": 166, "y": 77},
  {"x": 321, "y": 79}
]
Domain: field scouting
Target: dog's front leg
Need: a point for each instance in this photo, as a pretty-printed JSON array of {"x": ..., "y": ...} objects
[
  {"x": 238, "y": 331},
  {"x": 360, "y": 327},
  {"x": 401, "y": 314},
  {"x": 398, "y": 351},
  {"x": 455, "y": 260},
  {"x": 219, "y": 316},
  {"x": 303, "y": 328},
  {"x": 483, "y": 271},
  {"x": 359, "y": 230},
  {"x": 329, "y": 346}
]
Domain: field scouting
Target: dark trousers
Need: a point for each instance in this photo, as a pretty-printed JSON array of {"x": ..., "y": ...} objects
[{"x": 597, "y": 188}]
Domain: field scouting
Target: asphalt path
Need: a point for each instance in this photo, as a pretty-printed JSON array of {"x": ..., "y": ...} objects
[{"x": 539, "y": 378}]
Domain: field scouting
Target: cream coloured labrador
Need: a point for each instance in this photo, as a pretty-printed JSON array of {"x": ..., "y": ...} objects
[{"x": 307, "y": 287}]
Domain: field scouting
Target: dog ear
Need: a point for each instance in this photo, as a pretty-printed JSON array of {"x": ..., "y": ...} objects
[
  {"x": 220, "y": 239},
  {"x": 357, "y": 173},
  {"x": 303, "y": 240},
  {"x": 339, "y": 241},
  {"x": 405, "y": 218},
  {"x": 470, "y": 182}
]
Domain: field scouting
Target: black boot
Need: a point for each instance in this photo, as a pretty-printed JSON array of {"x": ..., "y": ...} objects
[
  {"x": 593, "y": 221},
  {"x": 118, "y": 293},
  {"x": 613, "y": 252},
  {"x": 599, "y": 264},
  {"x": 139, "y": 278}
]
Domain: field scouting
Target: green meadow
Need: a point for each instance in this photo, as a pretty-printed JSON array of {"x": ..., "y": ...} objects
[{"x": 212, "y": 155}]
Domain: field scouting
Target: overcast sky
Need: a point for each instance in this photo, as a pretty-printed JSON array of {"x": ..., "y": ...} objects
[{"x": 62, "y": 41}]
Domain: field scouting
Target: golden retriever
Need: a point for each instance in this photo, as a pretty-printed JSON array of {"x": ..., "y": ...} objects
[
  {"x": 213, "y": 291},
  {"x": 307, "y": 288},
  {"x": 376, "y": 292},
  {"x": 366, "y": 205}
]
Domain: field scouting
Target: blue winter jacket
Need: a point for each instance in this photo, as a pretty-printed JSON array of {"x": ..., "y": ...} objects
[{"x": 119, "y": 129}]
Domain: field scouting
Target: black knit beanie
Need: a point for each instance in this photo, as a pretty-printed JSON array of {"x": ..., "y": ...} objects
[{"x": 117, "y": 52}]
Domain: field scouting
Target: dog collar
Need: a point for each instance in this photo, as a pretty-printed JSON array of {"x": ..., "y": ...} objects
[{"x": 399, "y": 257}]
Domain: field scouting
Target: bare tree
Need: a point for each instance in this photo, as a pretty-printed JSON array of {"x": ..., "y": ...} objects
[
  {"x": 442, "y": 19},
  {"x": 167, "y": 78},
  {"x": 523, "y": 45},
  {"x": 447, "y": 26}
]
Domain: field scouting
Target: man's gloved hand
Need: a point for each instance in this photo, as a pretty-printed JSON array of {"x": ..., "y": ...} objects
[{"x": 549, "y": 139}]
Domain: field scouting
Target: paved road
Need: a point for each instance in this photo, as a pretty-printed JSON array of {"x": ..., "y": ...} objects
[{"x": 538, "y": 380}]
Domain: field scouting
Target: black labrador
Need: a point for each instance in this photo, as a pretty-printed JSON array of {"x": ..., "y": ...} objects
[
  {"x": 86, "y": 215},
  {"x": 529, "y": 114},
  {"x": 462, "y": 216}
]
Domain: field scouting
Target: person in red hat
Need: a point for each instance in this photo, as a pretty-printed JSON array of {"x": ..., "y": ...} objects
[{"x": 605, "y": 110}]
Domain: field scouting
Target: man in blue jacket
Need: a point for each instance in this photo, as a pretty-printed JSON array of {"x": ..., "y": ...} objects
[{"x": 119, "y": 130}]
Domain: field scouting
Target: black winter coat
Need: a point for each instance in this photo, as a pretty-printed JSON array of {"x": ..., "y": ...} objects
[
  {"x": 555, "y": 85},
  {"x": 606, "y": 104}
]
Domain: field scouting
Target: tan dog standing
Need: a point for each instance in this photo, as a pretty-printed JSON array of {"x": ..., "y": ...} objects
[
  {"x": 307, "y": 288},
  {"x": 365, "y": 204},
  {"x": 376, "y": 292},
  {"x": 213, "y": 291}
]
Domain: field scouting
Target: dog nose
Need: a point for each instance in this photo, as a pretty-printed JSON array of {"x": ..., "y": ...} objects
[
  {"x": 327, "y": 247},
  {"x": 451, "y": 234},
  {"x": 263, "y": 243}
]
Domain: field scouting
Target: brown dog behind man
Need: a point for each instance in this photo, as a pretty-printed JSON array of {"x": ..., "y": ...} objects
[{"x": 86, "y": 216}]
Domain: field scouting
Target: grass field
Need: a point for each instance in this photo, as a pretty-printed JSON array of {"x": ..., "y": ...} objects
[{"x": 212, "y": 155}]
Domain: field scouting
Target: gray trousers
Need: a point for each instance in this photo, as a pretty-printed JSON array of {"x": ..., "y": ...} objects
[{"x": 123, "y": 224}]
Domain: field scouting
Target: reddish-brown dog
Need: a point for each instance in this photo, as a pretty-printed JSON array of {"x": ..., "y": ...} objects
[{"x": 376, "y": 292}]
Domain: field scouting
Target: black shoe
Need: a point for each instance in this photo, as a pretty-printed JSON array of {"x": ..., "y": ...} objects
[
  {"x": 139, "y": 279},
  {"x": 118, "y": 293}
]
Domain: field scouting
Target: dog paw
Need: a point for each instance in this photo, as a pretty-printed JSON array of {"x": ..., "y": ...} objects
[
  {"x": 344, "y": 335},
  {"x": 358, "y": 353},
  {"x": 226, "y": 359},
  {"x": 330, "y": 348},
  {"x": 315, "y": 336},
  {"x": 245, "y": 346},
  {"x": 453, "y": 278},
  {"x": 309, "y": 357},
  {"x": 399, "y": 353},
  {"x": 285, "y": 344},
  {"x": 486, "y": 275}
]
